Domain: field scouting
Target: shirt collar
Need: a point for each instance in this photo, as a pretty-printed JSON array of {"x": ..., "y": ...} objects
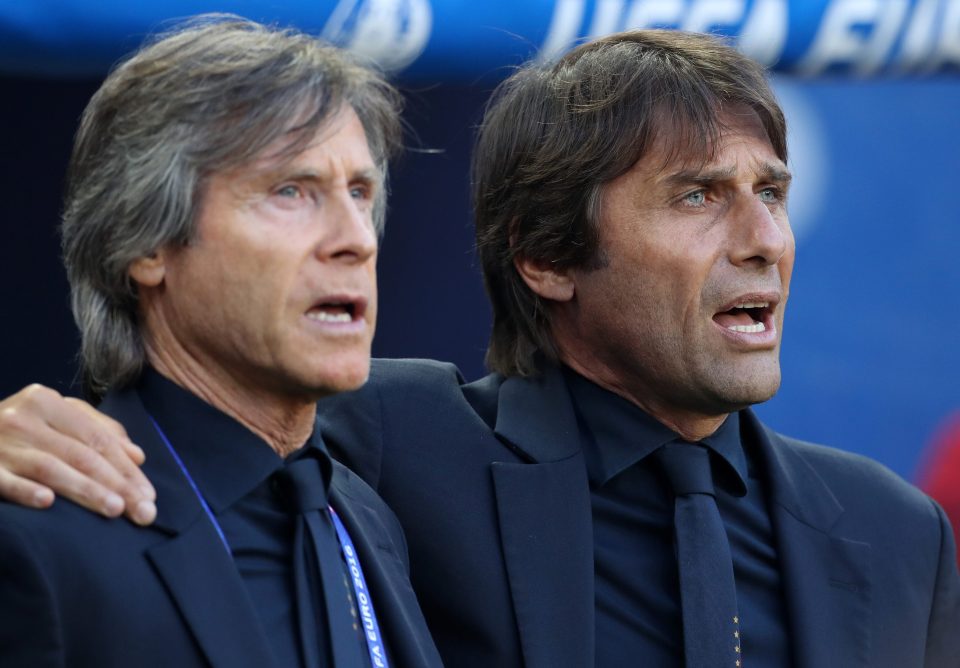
[
  {"x": 727, "y": 443},
  {"x": 618, "y": 434},
  {"x": 225, "y": 459}
]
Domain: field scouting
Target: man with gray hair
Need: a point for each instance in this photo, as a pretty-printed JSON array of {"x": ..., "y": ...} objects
[{"x": 225, "y": 194}]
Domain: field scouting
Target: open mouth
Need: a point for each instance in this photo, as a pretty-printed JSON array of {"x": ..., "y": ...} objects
[
  {"x": 748, "y": 317},
  {"x": 336, "y": 311}
]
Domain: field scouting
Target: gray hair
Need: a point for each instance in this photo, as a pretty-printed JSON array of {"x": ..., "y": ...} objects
[{"x": 205, "y": 97}]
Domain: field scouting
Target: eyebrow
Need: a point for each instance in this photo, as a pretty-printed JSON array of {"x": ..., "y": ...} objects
[
  {"x": 776, "y": 173},
  {"x": 767, "y": 171},
  {"x": 370, "y": 175},
  {"x": 367, "y": 173}
]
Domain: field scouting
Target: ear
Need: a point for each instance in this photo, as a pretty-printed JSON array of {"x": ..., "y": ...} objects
[
  {"x": 545, "y": 280},
  {"x": 148, "y": 271}
]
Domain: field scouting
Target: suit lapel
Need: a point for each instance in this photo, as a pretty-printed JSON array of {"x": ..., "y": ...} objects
[
  {"x": 826, "y": 578},
  {"x": 545, "y": 522},
  {"x": 394, "y": 602},
  {"x": 205, "y": 584},
  {"x": 194, "y": 565}
]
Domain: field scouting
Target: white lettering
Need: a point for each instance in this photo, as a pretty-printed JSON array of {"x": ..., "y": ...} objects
[
  {"x": 707, "y": 15},
  {"x": 653, "y": 13},
  {"x": 948, "y": 45},
  {"x": 920, "y": 37},
  {"x": 606, "y": 17},
  {"x": 391, "y": 32},
  {"x": 564, "y": 28},
  {"x": 884, "y": 36},
  {"x": 764, "y": 34},
  {"x": 842, "y": 39}
]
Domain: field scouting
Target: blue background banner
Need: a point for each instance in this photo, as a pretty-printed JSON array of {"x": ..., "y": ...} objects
[
  {"x": 465, "y": 39},
  {"x": 871, "y": 358}
]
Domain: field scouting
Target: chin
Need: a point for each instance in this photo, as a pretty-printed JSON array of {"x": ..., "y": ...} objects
[
  {"x": 334, "y": 369},
  {"x": 344, "y": 378},
  {"x": 756, "y": 393},
  {"x": 745, "y": 389}
]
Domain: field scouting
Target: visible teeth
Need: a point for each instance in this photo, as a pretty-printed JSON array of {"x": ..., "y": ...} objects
[
  {"x": 753, "y": 305},
  {"x": 749, "y": 329},
  {"x": 324, "y": 316}
]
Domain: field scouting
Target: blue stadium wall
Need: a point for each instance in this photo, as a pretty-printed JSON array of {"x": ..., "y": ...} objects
[{"x": 871, "y": 358}]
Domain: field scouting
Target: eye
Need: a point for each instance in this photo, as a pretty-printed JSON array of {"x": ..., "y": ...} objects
[
  {"x": 360, "y": 193},
  {"x": 769, "y": 195},
  {"x": 289, "y": 190},
  {"x": 696, "y": 198}
]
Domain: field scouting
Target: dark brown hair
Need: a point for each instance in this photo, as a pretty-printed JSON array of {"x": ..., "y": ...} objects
[{"x": 554, "y": 134}]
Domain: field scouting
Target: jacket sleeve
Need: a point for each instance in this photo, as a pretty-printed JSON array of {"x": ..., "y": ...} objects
[
  {"x": 29, "y": 617},
  {"x": 943, "y": 632}
]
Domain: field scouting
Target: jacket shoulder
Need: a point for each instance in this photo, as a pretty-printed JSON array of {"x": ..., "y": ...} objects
[
  {"x": 399, "y": 395},
  {"x": 412, "y": 372},
  {"x": 864, "y": 484},
  {"x": 907, "y": 529}
]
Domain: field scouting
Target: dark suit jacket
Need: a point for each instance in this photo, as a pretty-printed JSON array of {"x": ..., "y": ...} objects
[
  {"x": 80, "y": 590},
  {"x": 490, "y": 485}
]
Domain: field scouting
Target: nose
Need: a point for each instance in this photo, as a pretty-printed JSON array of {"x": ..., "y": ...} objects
[
  {"x": 761, "y": 236},
  {"x": 349, "y": 234}
]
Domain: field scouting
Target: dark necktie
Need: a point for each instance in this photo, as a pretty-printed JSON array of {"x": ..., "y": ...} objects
[
  {"x": 708, "y": 595},
  {"x": 322, "y": 590}
]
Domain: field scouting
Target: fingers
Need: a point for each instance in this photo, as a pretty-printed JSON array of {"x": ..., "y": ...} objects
[
  {"x": 107, "y": 437},
  {"x": 108, "y": 423},
  {"x": 82, "y": 470},
  {"x": 66, "y": 446},
  {"x": 60, "y": 475},
  {"x": 24, "y": 492}
]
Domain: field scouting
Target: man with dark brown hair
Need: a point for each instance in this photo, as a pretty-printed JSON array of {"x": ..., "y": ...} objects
[{"x": 607, "y": 497}]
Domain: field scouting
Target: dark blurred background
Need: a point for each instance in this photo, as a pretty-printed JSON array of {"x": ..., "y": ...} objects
[{"x": 871, "y": 359}]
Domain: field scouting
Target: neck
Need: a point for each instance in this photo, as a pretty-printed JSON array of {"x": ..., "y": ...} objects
[
  {"x": 283, "y": 422},
  {"x": 690, "y": 424}
]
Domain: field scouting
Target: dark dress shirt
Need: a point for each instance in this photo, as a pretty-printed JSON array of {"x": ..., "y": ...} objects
[
  {"x": 638, "y": 619},
  {"x": 234, "y": 470}
]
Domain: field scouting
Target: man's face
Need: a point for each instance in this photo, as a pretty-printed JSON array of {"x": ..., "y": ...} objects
[
  {"x": 279, "y": 287},
  {"x": 685, "y": 316}
]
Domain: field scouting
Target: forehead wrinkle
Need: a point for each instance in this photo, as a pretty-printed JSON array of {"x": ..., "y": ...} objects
[
  {"x": 691, "y": 155},
  {"x": 289, "y": 150},
  {"x": 274, "y": 168}
]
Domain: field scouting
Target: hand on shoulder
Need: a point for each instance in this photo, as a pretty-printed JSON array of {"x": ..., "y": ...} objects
[{"x": 51, "y": 444}]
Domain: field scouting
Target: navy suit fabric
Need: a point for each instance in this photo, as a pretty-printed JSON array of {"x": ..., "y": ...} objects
[
  {"x": 80, "y": 590},
  {"x": 489, "y": 483}
]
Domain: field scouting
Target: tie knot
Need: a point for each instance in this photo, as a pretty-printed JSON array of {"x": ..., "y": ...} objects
[
  {"x": 687, "y": 467},
  {"x": 302, "y": 484}
]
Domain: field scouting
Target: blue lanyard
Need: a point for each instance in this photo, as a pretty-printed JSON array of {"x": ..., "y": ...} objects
[{"x": 371, "y": 629}]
